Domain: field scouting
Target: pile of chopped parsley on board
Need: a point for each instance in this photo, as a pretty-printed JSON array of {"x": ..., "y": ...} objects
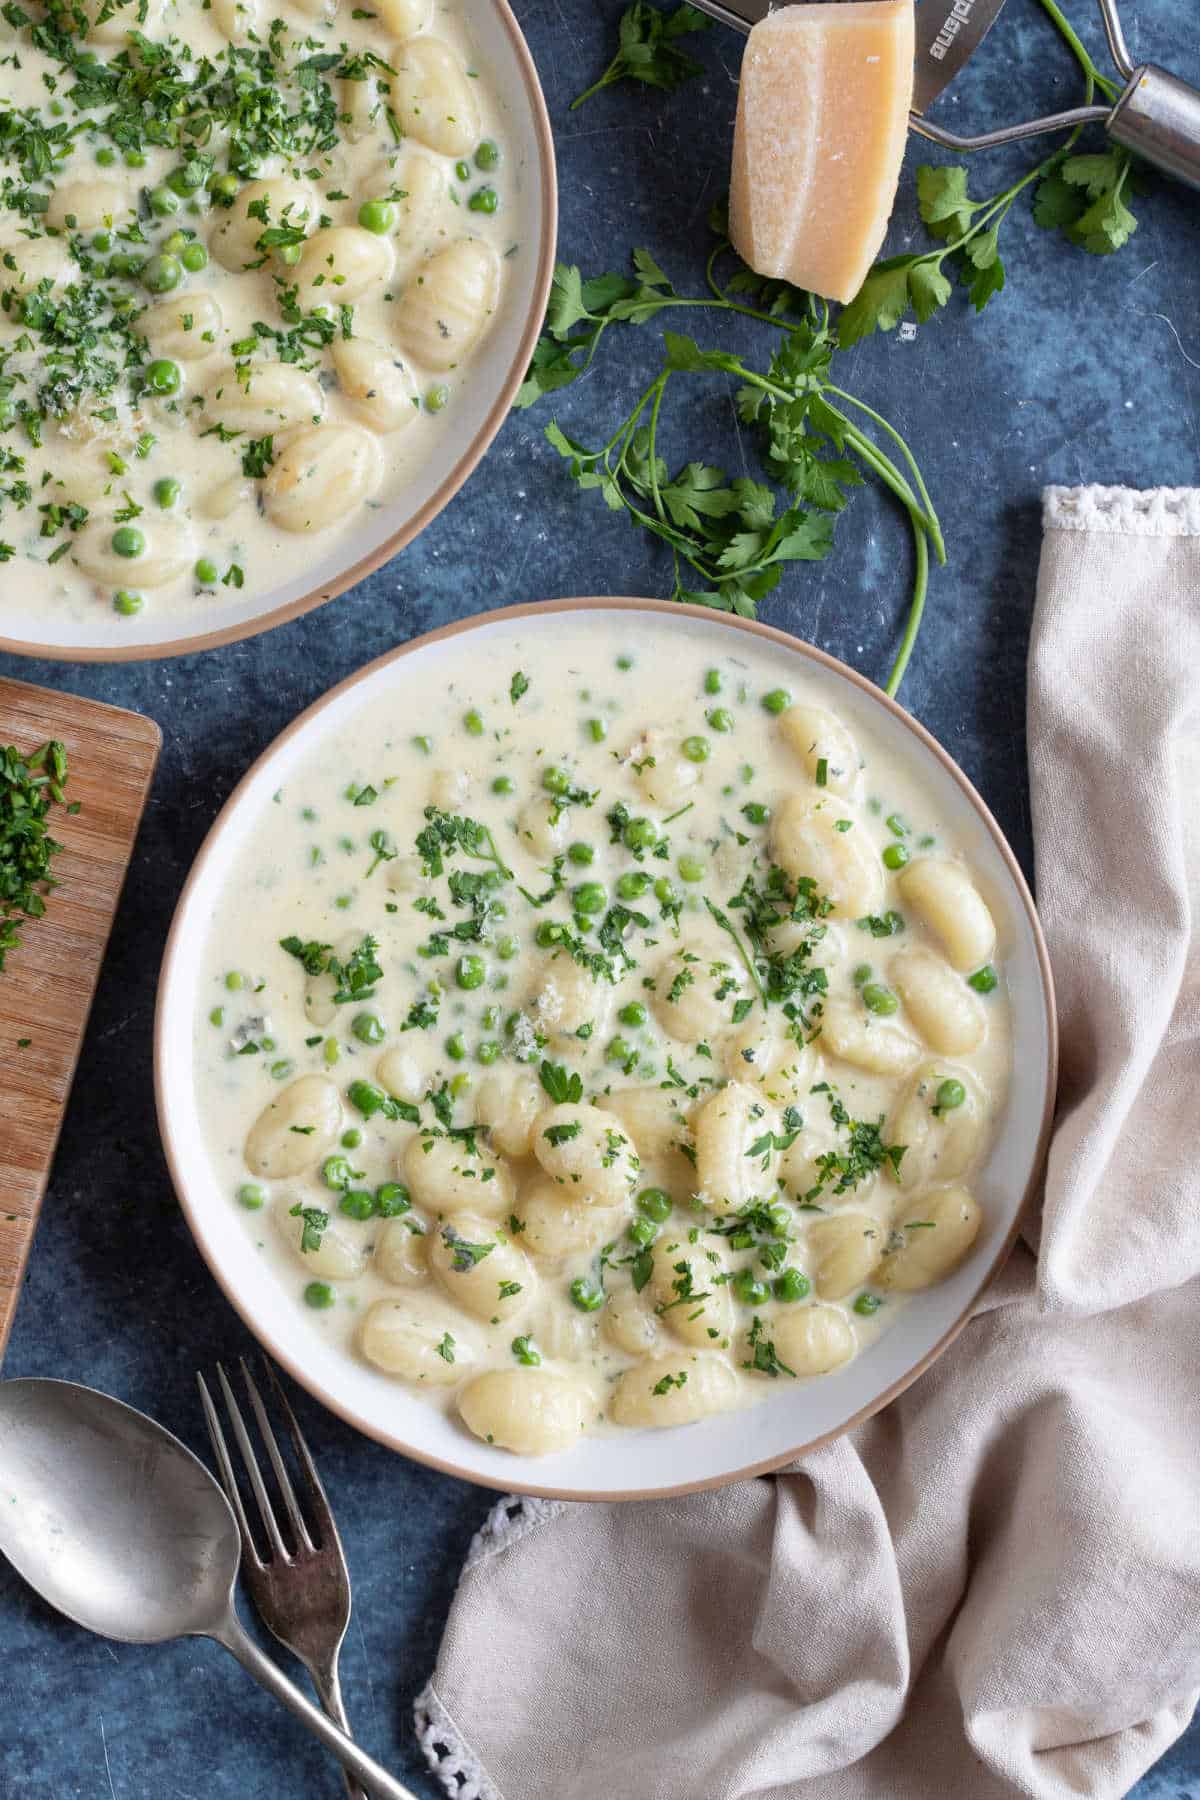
[{"x": 29, "y": 787}]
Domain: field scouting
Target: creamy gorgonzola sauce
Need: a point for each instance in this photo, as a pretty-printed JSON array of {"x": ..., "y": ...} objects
[
  {"x": 247, "y": 253},
  {"x": 602, "y": 1039}
]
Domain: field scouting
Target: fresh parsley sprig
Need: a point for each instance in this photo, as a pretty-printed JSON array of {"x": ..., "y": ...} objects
[
  {"x": 730, "y": 540},
  {"x": 648, "y": 49}
]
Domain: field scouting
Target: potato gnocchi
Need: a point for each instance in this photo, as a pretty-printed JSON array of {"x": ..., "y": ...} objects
[
  {"x": 229, "y": 324},
  {"x": 583, "y": 1099}
]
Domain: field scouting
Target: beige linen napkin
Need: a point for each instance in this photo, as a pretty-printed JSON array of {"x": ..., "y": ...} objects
[{"x": 993, "y": 1587}]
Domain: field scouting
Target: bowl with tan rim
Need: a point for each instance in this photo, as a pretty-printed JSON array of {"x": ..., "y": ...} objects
[
  {"x": 580, "y": 649},
  {"x": 412, "y": 483}
]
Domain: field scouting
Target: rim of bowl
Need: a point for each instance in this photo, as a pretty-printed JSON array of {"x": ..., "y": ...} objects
[
  {"x": 459, "y": 474},
  {"x": 531, "y": 609}
]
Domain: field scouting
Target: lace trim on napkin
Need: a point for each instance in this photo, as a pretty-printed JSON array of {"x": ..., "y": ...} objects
[
  {"x": 447, "y": 1752},
  {"x": 1149, "y": 512}
]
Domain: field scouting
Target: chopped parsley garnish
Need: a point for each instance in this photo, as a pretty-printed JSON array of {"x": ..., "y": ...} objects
[{"x": 29, "y": 787}]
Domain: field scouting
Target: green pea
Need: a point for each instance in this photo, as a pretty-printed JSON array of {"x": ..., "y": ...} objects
[
  {"x": 749, "y": 1289},
  {"x": 337, "y": 1172},
  {"x": 879, "y": 999},
  {"x": 756, "y": 812},
  {"x": 950, "y": 1095},
  {"x": 655, "y": 1203},
  {"x": 641, "y": 1231},
  {"x": 777, "y": 701},
  {"x": 186, "y": 178},
  {"x": 712, "y": 682},
  {"x": 133, "y": 159},
  {"x": 984, "y": 980},
  {"x": 289, "y": 255},
  {"x": 364, "y": 1096},
  {"x": 205, "y": 571},
  {"x": 281, "y": 1070},
  {"x": 793, "y": 1284},
  {"x": 163, "y": 202},
  {"x": 639, "y": 834},
  {"x": 471, "y": 971},
  {"x": 720, "y": 719},
  {"x": 895, "y": 856},
  {"x": 392, "y": 1199},
  {"x": 633, "y": 884},
  {"x": 473, "y": 723},
  {"x": 585, "y": 1296},
  {"x": 590, "y": 897},
  {"x": 127, "y": 540},
  {"x": 456, "y": 1047},
  {"x": 357, "y": 1203},
  {"x": 866, "y": 1304},
  {"x": 127, "y": 604},
  {"x": 487, "y": 1052},
  {"x": 620, "y": 1051},
  {"x": 162, "y": 273},
  {"x": 503, "y": 784},
  {"x": 102, "y": 241},
  {"x": 690, "y": 868},
  {"x": 665, "y": 891},
  {"x": 597, "y": 730},
  {"x": 487, "y": 155},
  {"x": 484, "y": 200},
  {"x": 166, "y": 491},
  {"x": 251, "y": 1195},
  {"x": 369, "y": 1029},
  {"x": 163, "y": 376},
  {"x": 235, "y": 981},
  {"x": 436, "y": 399},
  {"x": 124, "y": 262},
  {"x": 106, "y": 156},
  {"x": 633, "y": 1014},
  {"x": 174, "y": 244},
  {"x": 194, "y": 257},
  {"x": 217, "y": 1016},
  {"x": 378, "y": 216},
  {"x": 556, "y": 781},
  {"x": 351, "y": 1139},
  {"x": 696, "y": 749},
  {"x": 583, "y": 854},
  {"x": 507, "y": 948},
  {"x": 223, "y": 188},
  {"x": 319, "y": 1295}
]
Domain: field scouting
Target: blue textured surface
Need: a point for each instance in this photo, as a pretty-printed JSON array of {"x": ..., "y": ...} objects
[{"x": 1085, "y": 369}]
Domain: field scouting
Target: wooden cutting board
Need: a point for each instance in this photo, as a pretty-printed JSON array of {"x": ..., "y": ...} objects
[{"x": 47, "y": 985}]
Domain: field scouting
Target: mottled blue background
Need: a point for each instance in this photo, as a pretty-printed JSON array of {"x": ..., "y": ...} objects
[{"x": 1085, "y": 369}]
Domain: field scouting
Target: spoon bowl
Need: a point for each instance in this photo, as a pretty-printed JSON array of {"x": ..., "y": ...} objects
[
  {"x": 110, "y": 1517},
  {"x": 114, "y": 1522}
]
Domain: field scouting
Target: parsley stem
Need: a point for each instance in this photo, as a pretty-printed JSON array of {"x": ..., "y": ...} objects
[
  {"x": 915, "y": 612},
  {"x": 1108, "y": 88},
  {"x": 727, "y": 925},
  {"x": 932, "y": 523}
]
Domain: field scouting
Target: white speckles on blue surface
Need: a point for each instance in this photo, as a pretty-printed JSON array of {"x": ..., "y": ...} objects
[{"x": 1084, "y": 369}]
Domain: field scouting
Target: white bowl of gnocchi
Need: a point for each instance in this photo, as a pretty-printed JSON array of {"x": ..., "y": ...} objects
[
  {"x": 266, "y": 302},
  {"x": 603, "y": 1048}
]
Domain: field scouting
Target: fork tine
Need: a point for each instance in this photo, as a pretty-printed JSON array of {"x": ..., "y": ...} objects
[
  {"x": 303, "y": 1540},
  {"x": 225, "y": 1468},
  {"x": 321, "y": 1511},
  {"x": 266, "y": 1510}
]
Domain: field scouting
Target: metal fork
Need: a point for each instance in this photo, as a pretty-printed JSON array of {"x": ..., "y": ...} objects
[{"x": 302, "y": 1592}]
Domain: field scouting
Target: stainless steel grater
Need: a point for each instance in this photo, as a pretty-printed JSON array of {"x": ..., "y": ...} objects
[{"x": 1157, "y": 115}]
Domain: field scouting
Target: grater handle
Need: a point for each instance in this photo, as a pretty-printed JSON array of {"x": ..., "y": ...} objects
[{"x": 1158, "y": 116}]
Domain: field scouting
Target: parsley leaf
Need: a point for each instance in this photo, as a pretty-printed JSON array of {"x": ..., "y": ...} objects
[
  {"x": 647, "y": 49},
  {"x": 562, "y": 1087}
]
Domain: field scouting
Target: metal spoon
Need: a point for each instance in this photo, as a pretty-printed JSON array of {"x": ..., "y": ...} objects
[{"x": 117, "y": 1524}]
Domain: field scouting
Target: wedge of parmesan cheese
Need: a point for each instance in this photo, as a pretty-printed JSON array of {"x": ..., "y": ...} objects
[{"x": 822, "y": 122}]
